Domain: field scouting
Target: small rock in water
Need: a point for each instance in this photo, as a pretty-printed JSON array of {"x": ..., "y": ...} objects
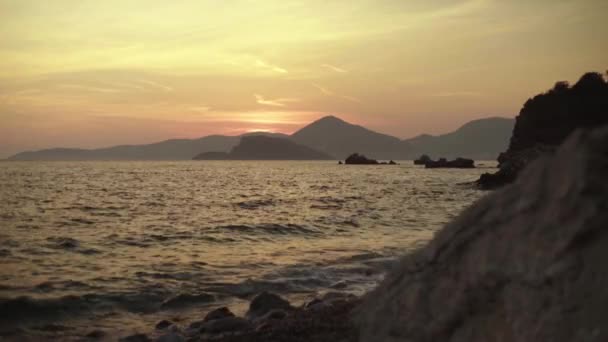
[
  {"x": 136, "y": 338},
  {"x": 274, "y": 314},
  {"x": 170, "y": 337},
  {"x": 264, "y": 303},
  {"x": 96, "y": 334},
  {"x": 218, "y": 313},
  {"x": 228, "y": 324},
  {"x": 162, "y": 325}
]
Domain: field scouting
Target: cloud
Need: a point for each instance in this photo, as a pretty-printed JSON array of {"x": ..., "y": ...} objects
[
  {"x": 264, "y": 65},
  {"x": 323, "y": 89},
  {"x": 281, "y": 102},
  {"x": 89, "y": 88},
  {"x": 350, "y": 98},
  {"x": 456, "y": 94},
  {"x": 156, "y": 85},
  {"x": 329, "y": 92},
  {"x": 334, "y": 68}
]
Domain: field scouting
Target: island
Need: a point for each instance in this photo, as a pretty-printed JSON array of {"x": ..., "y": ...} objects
[{"x": 266, "y": 148}]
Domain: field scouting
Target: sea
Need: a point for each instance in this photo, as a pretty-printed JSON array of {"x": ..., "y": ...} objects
[{"x": 117, "y": 246}]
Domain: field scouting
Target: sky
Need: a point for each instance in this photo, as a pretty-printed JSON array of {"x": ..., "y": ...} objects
[{"x": 89, "y": 73}]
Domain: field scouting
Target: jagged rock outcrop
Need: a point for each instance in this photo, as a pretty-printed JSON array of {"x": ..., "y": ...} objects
[
  {"x": 458, "y": 163},
  {"x": 525, "y": 263},
  {"x": 546, "y": 120},
  {"x": 423, "y": 159},
  {"x": 359, "y": 159}
]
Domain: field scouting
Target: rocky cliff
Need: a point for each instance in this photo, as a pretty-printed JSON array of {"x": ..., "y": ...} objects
[
  {"x": 546, "y": 120},
  {"x": 525, "y": 263}
]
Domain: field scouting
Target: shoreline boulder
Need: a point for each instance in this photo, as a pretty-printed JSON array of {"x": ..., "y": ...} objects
[{"x": 525, "y": 263}]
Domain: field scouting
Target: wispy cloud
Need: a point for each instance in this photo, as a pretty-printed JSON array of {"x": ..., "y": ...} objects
[
  {"x": 281, "y": 102},
  {"x": 328, "y": 92},
  {"x": 156, "y": 85},
  {"x": 261, "y": 64},
  {"x": 89, "y": 88},
  {"x": 350, "y": 98},
  {"x": 334, "y": 68},
  {"x": 456, "y": 94},
  {"x": 323, "y": 89}
]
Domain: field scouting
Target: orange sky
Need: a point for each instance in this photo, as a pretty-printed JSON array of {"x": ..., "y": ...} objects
[{"x": 86, "y": 73}]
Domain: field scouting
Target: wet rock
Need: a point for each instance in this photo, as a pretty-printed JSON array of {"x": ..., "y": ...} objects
[
  {"x": 224, "y": 325},
  {"x": 264, "y": 303},
  {"x": 135, "y": 338},
  {"x": 392, "y": 162},
  {"x": 184, "y": 300},
  {"x": 162, "y": 325},
  {"x": 359, "y": 159},
  {"x": 171, "y": 337},
  {"x": 339, "y": 285},
  {"x": 422, "y": 160},
  {"x": 218, "y": 313},
  {"x": 96, "y": 334},
  {"x": 525, "y": 263},
  {"x": 313, "y": 303},
  {"x": 275, "y": 314}
]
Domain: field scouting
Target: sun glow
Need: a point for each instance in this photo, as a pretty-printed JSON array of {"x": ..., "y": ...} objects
[{"x": 403, "y": 67}]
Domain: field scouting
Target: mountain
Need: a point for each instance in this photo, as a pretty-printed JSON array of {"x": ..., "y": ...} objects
[
  {"x": 174, "y": 149},
  {"x": 340, "y": 139},
  {"x": 478, "y": 139},
  {"x": 266, "y": 148}
]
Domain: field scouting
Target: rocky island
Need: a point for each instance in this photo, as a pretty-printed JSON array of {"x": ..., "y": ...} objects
[{"x": 266, "y": 148}]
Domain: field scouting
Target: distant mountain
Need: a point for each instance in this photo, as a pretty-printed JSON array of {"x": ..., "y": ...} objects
[
  {"x": 174, "y": 149},
  {"x": 340, "y": 139},
  {"x": 266, "y": 148},
  {"x": 479, "y": 139}
]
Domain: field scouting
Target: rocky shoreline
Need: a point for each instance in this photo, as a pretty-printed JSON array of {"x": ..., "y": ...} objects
[{"x": 269, "y": 318}]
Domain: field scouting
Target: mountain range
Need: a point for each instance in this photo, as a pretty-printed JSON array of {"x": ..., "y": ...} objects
[{"x": 478, "y": 139}]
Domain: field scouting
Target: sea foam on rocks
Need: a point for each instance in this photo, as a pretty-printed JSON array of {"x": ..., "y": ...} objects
[{"x": 526, "y": 263}]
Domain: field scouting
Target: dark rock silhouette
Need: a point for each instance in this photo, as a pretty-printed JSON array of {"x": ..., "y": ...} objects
[
  {"x": 267, "y": 148},
  {"x": 458, "y": 163},
  {"x": 546, "y": 120},
  {"x": 423, "y": 159},
  {"x": 525, "y": 263},
  {"x": 266, "y": 302},
  {"x": 174, "y": 149},
  {"x": 481, "y": 139},
  {"x": 359, "y": 159},
  {"x": 338, "y": 138}
]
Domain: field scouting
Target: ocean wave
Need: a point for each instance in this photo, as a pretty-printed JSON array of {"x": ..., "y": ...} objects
[
  {"x": 27, "y": 309},
  {"x": 271, "y": 228},
  {"x": 255, "y": 204}
]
